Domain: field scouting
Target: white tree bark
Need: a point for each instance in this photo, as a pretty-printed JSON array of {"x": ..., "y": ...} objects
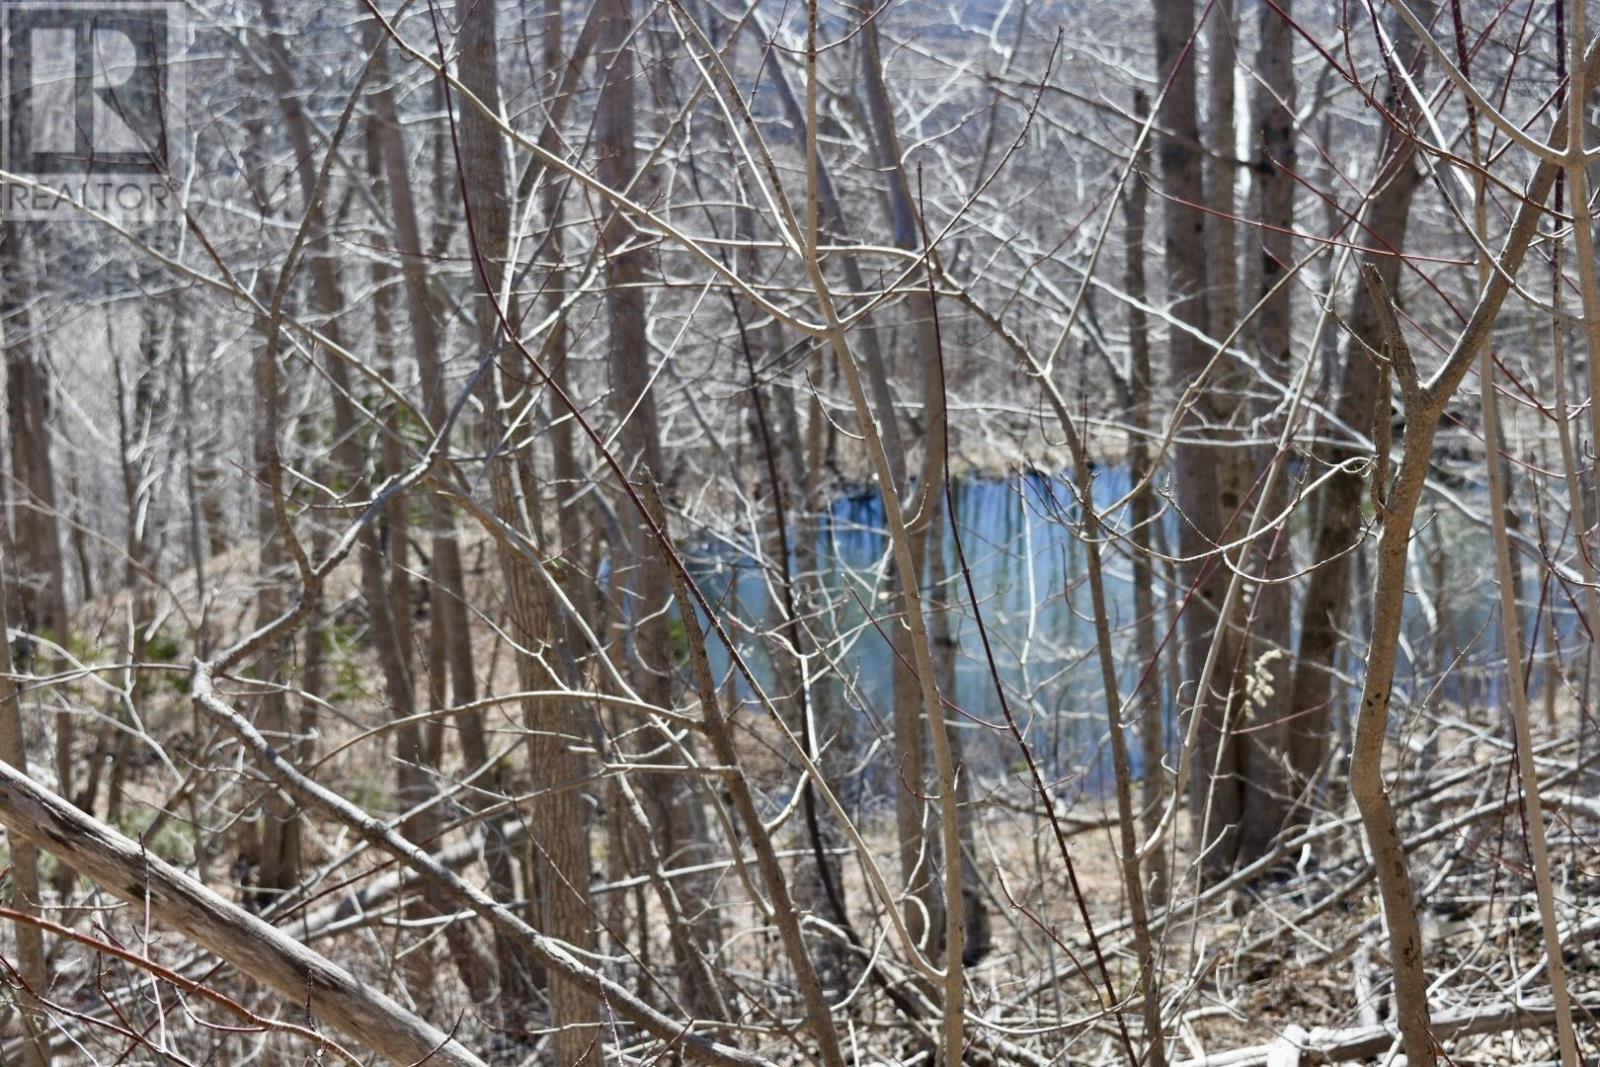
[{"x": 123, "y": 869}]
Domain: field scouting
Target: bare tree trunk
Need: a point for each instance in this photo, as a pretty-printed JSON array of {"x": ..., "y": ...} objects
[
  {"x": 32, "y": 965},
  {"x": 392, "y": 619},
  {"x": 451, "y": 636},
  {"x": 40, "y": 602},
  {"x": 1424, "y": 407},
  {"x": 195, "y": 519},
  {"x": 947, "y": 646},
  {"x": 1361, "y": 403},
  {"x": 1142, "y": 513},
  {"x": 793, "y": 538},
  {"x": 450, "y": 630},
  {"x": 277, "y": 846},
  {"x": 918, "y": 855},
  {"x": 137, "y": 458},
  {"x": 1522, "y": 733},
  {"x": 1263, "y": 747},
  {"x": 832, "y": 220},
  {"x": 1221, "y": 227},
  {"x": 1214, "y": 800},
  {"x": 819, "y": 1020},
  {"x": 675, "y": 806},
  {"x": 560, "y": 814}
]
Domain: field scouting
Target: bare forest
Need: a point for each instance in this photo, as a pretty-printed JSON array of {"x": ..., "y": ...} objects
[{"x": 777, "y": 532}]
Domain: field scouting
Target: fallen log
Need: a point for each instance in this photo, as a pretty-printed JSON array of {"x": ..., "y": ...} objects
[
  {"x": 555, "y": 955},
  {"x": 1298, "y": 1047},
  {"x": 304, "y": 978}
]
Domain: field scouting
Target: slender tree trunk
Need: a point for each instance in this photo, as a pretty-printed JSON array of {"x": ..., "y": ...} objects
[
  {"x": 272, "y": 847},
  {"x": 450, "y": 642},
  {"x": 1263, "y": 747},
  {"x": 40, "y": 605},
  {"x": 278, "y": 853},
  {"x": 917, "y": 848},
  {"x": 819, "y": 1020},
  {"x": 392, "y": 542},
  {"x": 450, "y": 633},
  {"x": 195, "y": 518},
  {"x": 1221, "y": 168},
  {"x": 833, "y": 223},
  {"x": 137, "y": 402},
  {"x": 793, "y": 537},
  {"x": 947, "y": 647},
  {"x": 1205, "y": 505},
  {"x": 1424, "y": 408},
  {"x": 31, "y": 963},
  {"x": 1361, "y": 403},
  {"x": 1142, "y": 513},
  {"x": 675, "y": 806},
  {"x": 560, "y": 818}
]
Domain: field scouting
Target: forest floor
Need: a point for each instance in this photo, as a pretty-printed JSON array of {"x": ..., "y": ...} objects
[{"x": 1256, "y": 959}]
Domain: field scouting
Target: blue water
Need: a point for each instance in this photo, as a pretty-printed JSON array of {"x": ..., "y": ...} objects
[{"x": 1027, "y": 566}]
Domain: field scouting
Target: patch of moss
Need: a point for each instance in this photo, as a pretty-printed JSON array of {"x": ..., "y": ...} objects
[
  {"x": 164, "y": 646},
  {"x": 79, "y": 647},
  {"x": 678, "y": 635}
]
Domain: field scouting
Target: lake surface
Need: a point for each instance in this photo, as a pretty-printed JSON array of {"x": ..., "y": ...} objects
[{"x": 1028, "y": 569}]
